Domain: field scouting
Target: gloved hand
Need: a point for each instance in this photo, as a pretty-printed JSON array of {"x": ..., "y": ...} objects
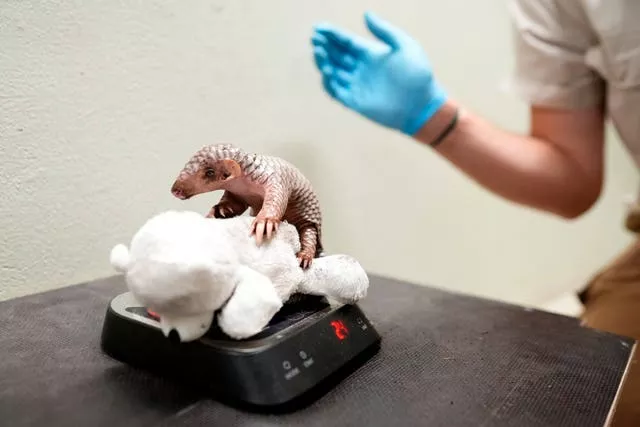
[{"x": 391, "y": 83}]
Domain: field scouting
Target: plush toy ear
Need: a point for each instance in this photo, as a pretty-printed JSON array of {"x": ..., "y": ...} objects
[
  {"x": 230, "y": 169},
  {"x": 120, "y": 258}
]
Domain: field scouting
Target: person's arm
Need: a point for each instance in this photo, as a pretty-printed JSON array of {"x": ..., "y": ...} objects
[{"x": 558, "y": 168}]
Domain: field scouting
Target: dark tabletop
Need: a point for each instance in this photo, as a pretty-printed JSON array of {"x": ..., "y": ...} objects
[{"x": 446, "y": 360}]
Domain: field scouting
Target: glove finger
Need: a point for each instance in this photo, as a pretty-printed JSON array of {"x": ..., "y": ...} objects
[
  {"x": 347, "y": 42},
  {"x": 335, "y": 47},
  {"x": 327, "y": 70},
  {"x": 342, "y": 78},
  {"x": 326, "y": 83},
  {"x": 336, "y": 91},
  {"x": 321, "y": 57},
  {"x": 341, "y": 59},
  {"x": 342, "y": 94},
  {"x": 320, "y": 40},
  {"x": 383, "y": 30},
  {"x": 330, "y": 69},
  {"x": 338, "y": 52},
  {"x": 328, "y": 54}
]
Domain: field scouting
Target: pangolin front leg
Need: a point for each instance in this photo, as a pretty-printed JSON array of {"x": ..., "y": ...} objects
[
  {"x": 308, "y": 245},
  {"x": 228, "y": 206},
  {"x": 273, "y": 208}
]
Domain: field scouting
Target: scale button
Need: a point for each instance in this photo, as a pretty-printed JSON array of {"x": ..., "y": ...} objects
[
  {"x": 286, "y": 365},
  {"x": 303, "y": 355},
  {"x": 291, "y": 373},
  {"x": 360, "y": 321}
]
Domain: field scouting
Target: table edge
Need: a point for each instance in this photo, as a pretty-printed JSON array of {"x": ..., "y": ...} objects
[{"x": 625, "y": 376}]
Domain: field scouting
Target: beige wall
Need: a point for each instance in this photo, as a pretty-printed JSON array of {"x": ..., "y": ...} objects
[{"x": 101, "y": 104}]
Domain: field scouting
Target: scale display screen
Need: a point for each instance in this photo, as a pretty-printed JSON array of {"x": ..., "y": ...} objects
[{"x": 340, "y": 330}]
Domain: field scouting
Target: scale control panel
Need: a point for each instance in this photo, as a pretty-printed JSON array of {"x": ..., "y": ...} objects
[{"x": 306, "y": 358}]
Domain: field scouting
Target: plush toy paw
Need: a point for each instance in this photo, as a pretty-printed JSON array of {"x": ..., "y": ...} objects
[
  {"x": 251, "y": 306},
  {"x": 353, "y": 283},
  {"x": 240, "y": 326},
  {"x": 340, "y": 277}
]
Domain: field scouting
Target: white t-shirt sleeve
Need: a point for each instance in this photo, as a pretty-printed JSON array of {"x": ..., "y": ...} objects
[{"x": 551, "y": 42}]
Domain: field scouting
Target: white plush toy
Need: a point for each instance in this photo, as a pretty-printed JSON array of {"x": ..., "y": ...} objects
[{"x": 184, "y": 267}]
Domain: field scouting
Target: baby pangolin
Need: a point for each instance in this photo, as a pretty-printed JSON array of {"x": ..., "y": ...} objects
[{"x": 271, "y": 187}]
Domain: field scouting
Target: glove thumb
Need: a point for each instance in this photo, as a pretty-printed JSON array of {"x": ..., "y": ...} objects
[{"x": 383, "y": 30}]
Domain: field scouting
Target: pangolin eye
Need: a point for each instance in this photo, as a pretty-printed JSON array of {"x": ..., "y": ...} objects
[{"x": 209, "y": 173}]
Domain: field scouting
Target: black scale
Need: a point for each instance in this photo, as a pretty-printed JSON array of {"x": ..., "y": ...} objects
[{"x": 308, "y": 346}]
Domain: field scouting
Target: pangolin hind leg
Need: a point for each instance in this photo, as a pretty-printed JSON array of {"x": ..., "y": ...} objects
[{"x": 308, "y": 245}]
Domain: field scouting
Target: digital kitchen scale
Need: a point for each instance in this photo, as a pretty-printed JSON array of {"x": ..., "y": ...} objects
[{"x": 308, "y": 346}]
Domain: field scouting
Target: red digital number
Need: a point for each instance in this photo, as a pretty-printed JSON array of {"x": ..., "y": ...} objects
[
  {"x": 339, "y": 329},
  {"x": 153, "y": 315}
]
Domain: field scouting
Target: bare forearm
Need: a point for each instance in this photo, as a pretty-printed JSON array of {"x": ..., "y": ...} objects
[{"x": 524, "y": 169}]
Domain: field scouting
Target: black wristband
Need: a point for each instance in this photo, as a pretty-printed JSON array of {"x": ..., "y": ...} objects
[{"x": 446, "y": 131}]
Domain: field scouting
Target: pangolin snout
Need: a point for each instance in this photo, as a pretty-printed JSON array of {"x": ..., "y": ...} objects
[
  {"x": 178, "y": 191},
  {"x": 179, "y": 194}
]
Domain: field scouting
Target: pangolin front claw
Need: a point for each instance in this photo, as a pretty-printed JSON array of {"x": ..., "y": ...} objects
[
  {"x": 262, "y": 225},
  {"x": 221, "y": 211}
]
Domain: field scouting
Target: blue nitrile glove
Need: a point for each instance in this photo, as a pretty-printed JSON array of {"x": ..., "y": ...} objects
[{"x": 391, "y": 83}]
